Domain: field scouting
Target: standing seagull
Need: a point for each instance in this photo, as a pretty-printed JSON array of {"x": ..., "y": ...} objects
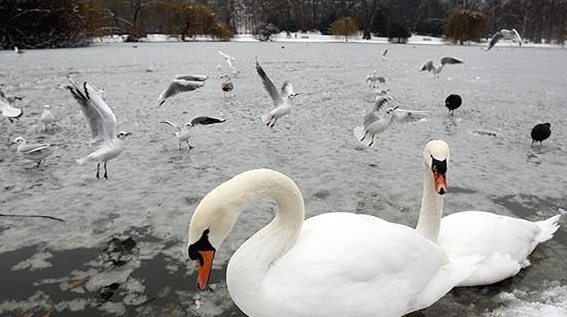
[
  {"x": 374, "y": 124},
  {"x": 453, "y": 102},
  {"x": 436, "y": 69},
  {"x": 227, "y": 85},
  {"x": 182, "y": 133},
  {"x": 504, "y": 34},
  {"x": 33, "y": 152},
  {"x": 384, "y": 54},
  {"x": 7, "y": 109},
  {"x": 47, "y": 117},
  {"x": 541, "y": 132},
  {"x": 107, "y": 143},
  {"x": 282, "y": 101},
  {"x": 181, "y": 83}
]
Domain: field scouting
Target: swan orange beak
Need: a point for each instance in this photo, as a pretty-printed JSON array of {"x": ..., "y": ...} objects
[
  {"x": 441, "y": 186},
  {"x": 204, "y": 268}
]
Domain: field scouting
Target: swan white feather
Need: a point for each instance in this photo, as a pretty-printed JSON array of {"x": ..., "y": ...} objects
[{"x": 335, "y": 264}]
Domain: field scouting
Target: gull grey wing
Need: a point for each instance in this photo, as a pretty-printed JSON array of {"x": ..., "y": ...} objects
[
  {"x": 173, "y": 124},
  {"x": 518, "y": 36},
  {"x": 204, "y": 120},
  {"x": 428, "y": 66},
  {"x": 287, "y": 89},
  {"x": 381, "y": 79},
  {"x": 381, "y": 101},
  {"x": 495, "y": 38},
  {"x": 368, "y": 78},
  {"x": 100, "y": 117},
  {"x": 191, "y": 77},
  {"x": 405, "y": 116},
  {"x": 9, "y": 111},
  {"x": 369, "y": 118},
  {"x": 269, "y": 85},
  {"x": 229, "y": 59},
  {"x": 34, "y": 148},
  {"x": 450, "y": 60},
  {"x": 177, "y": 86},
  {"x": 384, "y": 53}
]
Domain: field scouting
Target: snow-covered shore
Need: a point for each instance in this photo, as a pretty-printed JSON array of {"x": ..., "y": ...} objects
[{"x": 313, "y": 37}]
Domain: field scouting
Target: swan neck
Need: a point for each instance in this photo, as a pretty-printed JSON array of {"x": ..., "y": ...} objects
[{"x": 431, "y": 208}]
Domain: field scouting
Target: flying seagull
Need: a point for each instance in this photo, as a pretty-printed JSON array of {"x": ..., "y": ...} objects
[
  {"x": 504, "y": 34},
  {"x": 540, "y": 132},
  {"x": 282, "y": 100},
  {"x": 229, "y": 59},
  {"x": 374, "y": 123},
  {"x": 436, "y": 69},
  {"x": 47, "y": 117},
  {"x": 375, "y": 79},
  {"x": 33, "y": 152},
  {"x": 181, "y": 83},
  {"x": 107, "y": 143},
  {"x": 384, "y": 54},
  {"x": 182, "y": 132},
  {"x": 7, "y": 109}
]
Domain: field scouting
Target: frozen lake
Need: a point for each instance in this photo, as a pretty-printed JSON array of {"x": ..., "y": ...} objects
[{"x": 154, "y": 188}]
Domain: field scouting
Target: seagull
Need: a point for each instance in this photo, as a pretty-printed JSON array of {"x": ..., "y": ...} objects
[
  {"x": 7, "y": 109},
  {"x": 18, "y": 51},
  {"x": 504, "y": 34},
  {"x": 384, "y": 54},
  {"x": 282, "y": 101},
  {"x": 181, "y": 83},
  {"x": 453, "y": 102},
  {"x": 229, "y": 59},
  {"x": 541, "y": 132},
  {"x": 107, "y": 142},
  {"x": 375, "y": 78},
  {"x": 436, "y": 69},
  {"x": 227, "y": 86},
  {"x": 47, "y": 117},
  {"x": 33, "y": 152},
  {"x": 182, "y": 133},
  {"x": 374, "y": 124}
]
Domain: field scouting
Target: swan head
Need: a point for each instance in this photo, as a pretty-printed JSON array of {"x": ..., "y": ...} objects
[
  {"x": 436, "y": 158},
  {"x": 212, "y": 221}
]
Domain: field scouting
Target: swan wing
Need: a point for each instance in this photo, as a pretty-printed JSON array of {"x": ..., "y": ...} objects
[
  {"x": 269, "y": 85},
  {"x": 518, "y": 37},
  {"x": 344, "y": 260},
  {"x": 100, "y": 118},
  {"x": 506, "y": 242}
]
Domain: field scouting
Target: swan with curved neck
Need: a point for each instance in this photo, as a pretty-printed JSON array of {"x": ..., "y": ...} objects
[
  {"x": 334, "y": 264},
  {"x": 505, "y": 242}
]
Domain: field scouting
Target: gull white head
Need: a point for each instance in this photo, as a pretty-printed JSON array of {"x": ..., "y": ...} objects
[
  {"x": 436, "y": 158},
  {"x": 47, "y": 107},
  {"x": 123, "y": 134},
  {"x": 18, "y": 140}
]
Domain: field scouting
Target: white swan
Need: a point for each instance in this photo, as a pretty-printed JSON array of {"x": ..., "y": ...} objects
[
  {"x": 335, "y": 264},
  {"x": 505, "y": 242}
]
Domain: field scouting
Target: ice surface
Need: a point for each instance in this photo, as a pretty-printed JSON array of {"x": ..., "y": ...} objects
[{"x": 154, "y": 186}]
